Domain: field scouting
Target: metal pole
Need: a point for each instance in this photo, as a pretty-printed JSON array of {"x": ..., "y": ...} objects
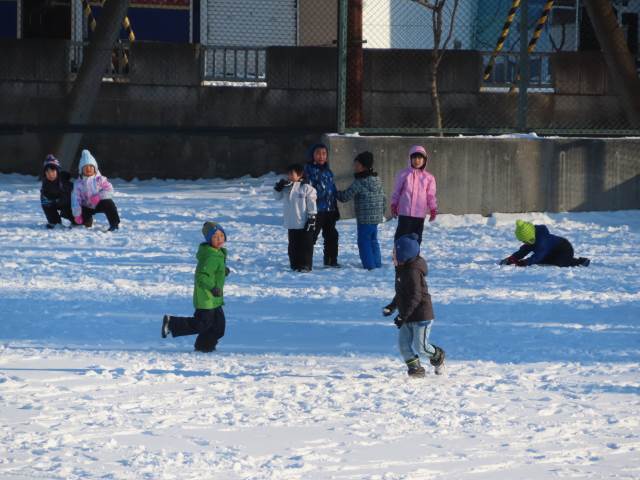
[
  {"x": 342, "y": 65},
  {"x": 524, "y": 67},
  {"x": 355, "y": 64}
]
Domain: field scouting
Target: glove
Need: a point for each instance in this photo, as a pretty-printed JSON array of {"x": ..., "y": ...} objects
[
  {"x": 507, "y": 261},
  {"x": 432, "y": 217},
  {"x": 95, "y": 200},
  {"x": 388, "y": 309},
  {"x": 394, "y": 210},
  {"x": 310, "y": 226},
  {"x": 398, "y": 321},
  {"x": 226, "y": 271},
  {"x": 520, "y": 263},
  {"x": 281, "y": 184},
  {"x": 216, "y": 292},
  {"x": 79, "y": 220}
]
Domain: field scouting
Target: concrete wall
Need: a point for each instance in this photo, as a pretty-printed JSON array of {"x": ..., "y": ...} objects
[{"x": 485, "y": 175}]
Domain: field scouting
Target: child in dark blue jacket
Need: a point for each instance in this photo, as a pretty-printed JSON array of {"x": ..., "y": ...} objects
[
  {"x": 55, "y": 193},
  {"x": 548, "y": 249}
]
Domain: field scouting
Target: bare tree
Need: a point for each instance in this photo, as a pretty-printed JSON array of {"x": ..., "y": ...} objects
[{"x": 437, "y": 20}]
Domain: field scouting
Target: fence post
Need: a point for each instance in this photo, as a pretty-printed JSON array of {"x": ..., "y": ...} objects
[
  {"x": 524, "y": 66},
  {"x": 342, "y": 65}
]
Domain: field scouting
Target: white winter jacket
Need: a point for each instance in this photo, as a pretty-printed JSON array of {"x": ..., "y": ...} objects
[{"x": 299, "y": 202}]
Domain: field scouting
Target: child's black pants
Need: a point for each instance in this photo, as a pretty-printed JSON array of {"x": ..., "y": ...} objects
[
  {"x": 409, "y": 225},
  {"x": 300, "y": 249},
  {"x": 105, "y": 206},
  {"x": 208, "y": 324},
  {"x": 561, "y": 255},
  {"x": 53, "y": 213}
]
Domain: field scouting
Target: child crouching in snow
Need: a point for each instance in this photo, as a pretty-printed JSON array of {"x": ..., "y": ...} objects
[
  {"x": 92, "y": 194},
  {"x": 208, "y": 320},
  {"x": 547, "y": 249},
  {"x": 415, "y": 312},
  {"x": 55, "y": 193}
]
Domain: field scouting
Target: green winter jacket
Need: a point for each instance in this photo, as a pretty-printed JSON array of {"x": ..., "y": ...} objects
[{"x": 209, "y": 274}]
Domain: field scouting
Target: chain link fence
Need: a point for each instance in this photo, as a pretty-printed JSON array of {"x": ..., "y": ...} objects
[
  {"x": 493, "y": 66},
  {"x": 371, "y": 66}
]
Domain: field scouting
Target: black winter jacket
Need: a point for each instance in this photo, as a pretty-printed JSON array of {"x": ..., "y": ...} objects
[
  {"x": 58, "y": 192},
  {"x": 412, "y": 294}
]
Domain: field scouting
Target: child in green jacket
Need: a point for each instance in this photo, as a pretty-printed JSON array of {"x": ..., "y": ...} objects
[{"x": 208, "y": 320}]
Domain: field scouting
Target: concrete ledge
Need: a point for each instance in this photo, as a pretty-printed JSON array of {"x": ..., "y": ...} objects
[{"x": 495, "y": 174}]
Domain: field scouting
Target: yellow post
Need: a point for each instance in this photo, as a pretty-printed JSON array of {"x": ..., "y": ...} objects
[{"x": 503, "y": 36}]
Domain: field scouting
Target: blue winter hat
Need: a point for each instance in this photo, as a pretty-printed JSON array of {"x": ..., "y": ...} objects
[
  {"x": 209, "y": 229},
  {"x": 407, "y": 247}
]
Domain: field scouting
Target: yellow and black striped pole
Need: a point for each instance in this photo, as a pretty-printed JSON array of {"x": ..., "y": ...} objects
[
  {"x": 91, "y": 20},
  {"x": 126, "y": 24},
  {"x": 503, "y": 36},
  {"x": 536, "y": 34}
]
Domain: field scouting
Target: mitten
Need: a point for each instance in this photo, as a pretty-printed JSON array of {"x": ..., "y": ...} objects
[
  {"x": 310, "y": 226},
  {"x": 95, "y": 199},
  {"x": 394, "y": 210},
  {"x": 281, "y": 184},
  {"x": 388, "y": 309},
  {"x": 216, "y": 292},
  {"x": 432, "y": 217},
  {"x": 510, "y": 261},
  {"x": 79, "y": 220},
  {"x": 226, "y": 271},
  {"x": 398, "y": 321},
  {"x": 520, "y": 263}
]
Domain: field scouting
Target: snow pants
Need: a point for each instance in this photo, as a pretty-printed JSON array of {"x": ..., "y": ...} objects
[
  {"x": 413, "y": 340},
  {"x": 208, "y": 324},
  {"x": 300, "y": 249},
  {"x": 326, "y": 222},
  {"x": 106, "y": 206},
  {"x": 55, "y": 214},
  {"x": 409, "y": 225},
  {"x": 368, "y": 246},
  {"x": 561, "y": 255}
]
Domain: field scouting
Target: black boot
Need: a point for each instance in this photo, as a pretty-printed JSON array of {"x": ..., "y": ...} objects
[
  {"x": 415, "y": 370},
  {"x": 583, "y": 262},
  {"x": 437, "y": 360},
  {"x": 165, "y": 326}
]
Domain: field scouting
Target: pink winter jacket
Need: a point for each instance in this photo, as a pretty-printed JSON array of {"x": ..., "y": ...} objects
[
  {"x": 414, "y": 193},
  {"x": 86, "y": 187}
]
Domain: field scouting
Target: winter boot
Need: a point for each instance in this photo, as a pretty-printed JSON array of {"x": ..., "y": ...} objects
[
  {"x": 165, "y": 326},
  {"x": 414, "y": 369},
  {"x": 437, "y": 360}
]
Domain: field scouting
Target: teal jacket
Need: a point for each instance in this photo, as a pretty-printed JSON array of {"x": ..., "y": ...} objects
[{"x": 210, "y": 274}]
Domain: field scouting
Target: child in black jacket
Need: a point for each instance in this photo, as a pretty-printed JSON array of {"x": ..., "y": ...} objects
[
  {"x": 55, "y": 193},
  {"x": 415, "y": 312}
]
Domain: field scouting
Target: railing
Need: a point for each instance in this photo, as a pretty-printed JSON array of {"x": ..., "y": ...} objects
[
  {"x": 505, "y": 73},
  {"x": 243, "y": 65}
]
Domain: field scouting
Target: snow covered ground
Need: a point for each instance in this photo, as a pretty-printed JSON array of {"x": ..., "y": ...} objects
[{"x": 543, "y": 363}]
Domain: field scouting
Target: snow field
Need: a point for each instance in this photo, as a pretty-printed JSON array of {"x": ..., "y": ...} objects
[{"x": 543, "y": 378}]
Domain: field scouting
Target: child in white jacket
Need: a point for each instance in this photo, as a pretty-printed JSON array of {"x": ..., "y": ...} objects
[
  {"x": 92, "y": 193},
  {"x": 299, "y": 202}
]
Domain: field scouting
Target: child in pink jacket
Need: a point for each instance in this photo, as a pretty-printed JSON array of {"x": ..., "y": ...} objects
[
  {"x": 414, "y": 195},
  {"x": 92, "y": 194}
]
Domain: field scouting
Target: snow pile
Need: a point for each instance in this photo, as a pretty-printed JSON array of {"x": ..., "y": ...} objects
[{"x": 543, "y": 377}]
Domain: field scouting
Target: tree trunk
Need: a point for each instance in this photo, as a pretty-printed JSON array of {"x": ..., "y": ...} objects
[
  {"x": 435, "y": 98},
  {"x": 620, "y": 63},
  {"x": 84, "y": 92}
]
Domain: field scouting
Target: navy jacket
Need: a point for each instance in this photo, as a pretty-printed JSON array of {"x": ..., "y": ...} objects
[
  {"x": 321, "y": 178},
  {"x": 543, "y": 246}
]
